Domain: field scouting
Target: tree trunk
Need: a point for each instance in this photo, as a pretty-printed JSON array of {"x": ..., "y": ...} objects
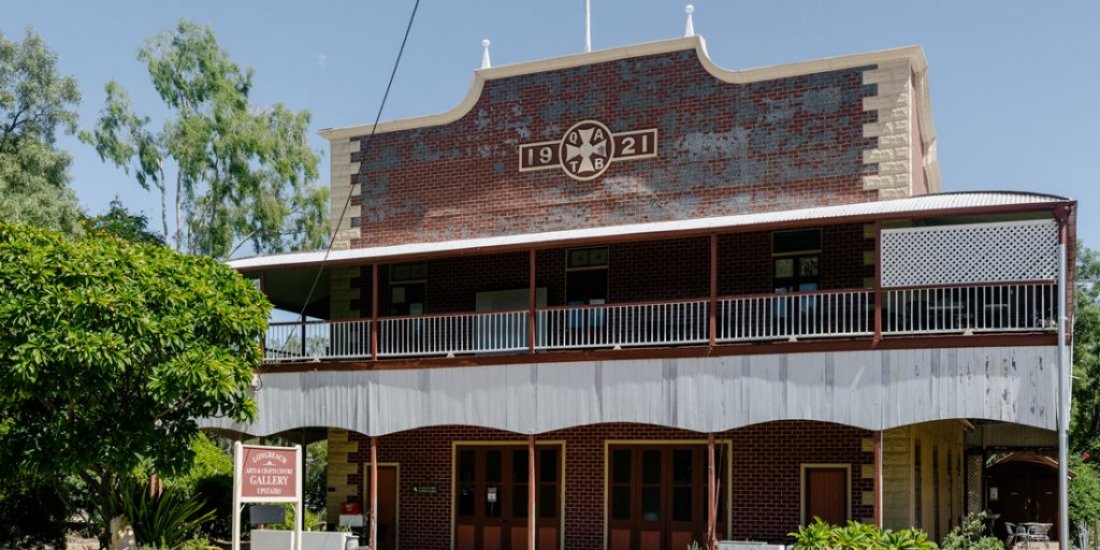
[
  {"x": 179, "y": 227},
  {"x": 163, "y": 201}
]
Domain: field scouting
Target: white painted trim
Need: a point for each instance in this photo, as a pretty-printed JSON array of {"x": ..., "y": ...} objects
[
  {"x": 913, "y": 54},
  {"x": 802, "y": 486}
]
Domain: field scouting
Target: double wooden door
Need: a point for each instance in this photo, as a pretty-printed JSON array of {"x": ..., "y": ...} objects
[
  {"x": 491, "y": 497},
  {"x": 657, "y": 497}
]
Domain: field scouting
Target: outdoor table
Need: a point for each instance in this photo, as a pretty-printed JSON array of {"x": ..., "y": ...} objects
[{"x": 1036, "y": 532}]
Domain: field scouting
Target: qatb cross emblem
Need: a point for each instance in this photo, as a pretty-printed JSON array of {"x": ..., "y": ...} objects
[{"x": 587, "y": 149}]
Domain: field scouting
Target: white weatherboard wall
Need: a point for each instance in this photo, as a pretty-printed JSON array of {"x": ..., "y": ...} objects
[{"x": 874, "y": 390}]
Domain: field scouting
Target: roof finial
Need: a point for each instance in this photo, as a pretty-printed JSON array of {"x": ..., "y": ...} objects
[
  {"x": 587, "y": 26},
  {"x": 689, "y": 30},
  {"x": 485, "y": 55}
]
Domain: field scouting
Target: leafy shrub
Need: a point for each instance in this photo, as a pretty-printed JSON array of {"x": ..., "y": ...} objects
[
  {"x": 310, "y": 521},
  {"x": 216, "y": 491},
  {"x": 970, "y": 535},
  {"x": 820, "y": 535},
  {"x": 33, "y": 517},
  {"x": 316, "y": 481},
  {"x": 209, "y": 460},
  {"x": 1084, "y": 493},
  {"x": 166, "y": 521}
]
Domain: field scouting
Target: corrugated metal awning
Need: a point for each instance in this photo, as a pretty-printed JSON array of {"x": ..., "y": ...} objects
[{"x": 945, "y": 203}]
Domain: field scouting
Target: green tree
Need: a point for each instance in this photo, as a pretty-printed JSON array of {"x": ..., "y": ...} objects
[
  {"x": 122, "y": 223},
  {"x": 35, "y": 102},
  {"x": 1085, "y": 426},
  {"x": 110, "y": 350},
  {"x": 1084, "y": 493},
  {"x": 243, "y": 174},
  {"x": 316, "y": 482}
]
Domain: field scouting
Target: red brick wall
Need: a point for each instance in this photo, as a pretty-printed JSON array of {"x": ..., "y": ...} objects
[
  {"x": 723, "y": 149},
  {"x": 453, "y": 284},
  {"x": 842, "y": 248},
  {"x": 765, "y": 479},
  {"x": 745, "y": 263},
  {"x": 767, "y": 462},
  {"x": 659, "y": 270},
  {"x": 637, "y": 272}
]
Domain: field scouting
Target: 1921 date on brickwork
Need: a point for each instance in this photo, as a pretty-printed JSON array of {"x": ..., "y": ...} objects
[{"x": 587, "y": 149}]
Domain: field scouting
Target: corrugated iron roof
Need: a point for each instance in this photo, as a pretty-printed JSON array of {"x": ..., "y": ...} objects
[{"x": 946, "y": 202}]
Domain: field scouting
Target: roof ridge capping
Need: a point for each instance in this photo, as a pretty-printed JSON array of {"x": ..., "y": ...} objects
[{"x": 913, "y": 54}]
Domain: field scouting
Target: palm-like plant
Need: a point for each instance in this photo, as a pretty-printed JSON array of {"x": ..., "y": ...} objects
[{"x": 166, "y": 520}]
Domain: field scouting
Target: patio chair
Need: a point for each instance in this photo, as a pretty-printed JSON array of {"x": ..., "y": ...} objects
[{"x": 1011, "y": 539}]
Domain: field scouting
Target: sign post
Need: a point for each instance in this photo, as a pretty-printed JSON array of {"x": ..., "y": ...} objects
[{"x": 269, "y": 475}]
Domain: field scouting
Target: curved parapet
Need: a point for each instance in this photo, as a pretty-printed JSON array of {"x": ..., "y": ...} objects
[
  {"x": 913, "y": 54},
  {"x": 678, "y": 138},
  {"x": 874, "y": 390}
]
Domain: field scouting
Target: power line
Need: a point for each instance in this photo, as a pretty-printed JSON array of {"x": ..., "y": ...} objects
[{"x": 363, "y": 148}]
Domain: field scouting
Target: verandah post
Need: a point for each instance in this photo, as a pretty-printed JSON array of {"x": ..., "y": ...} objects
[
  {"x": 374, "y": 312},
  {"x": 712, "y": 329},
  {"x": 878, "y": 480},
  {"x": 531, "y": 302},
  {"x": 532, "y": 487},
  {"x": 373, "y": 492},
  {"x": 712, "y": 496},
  {"x": 878, "y": 281}
]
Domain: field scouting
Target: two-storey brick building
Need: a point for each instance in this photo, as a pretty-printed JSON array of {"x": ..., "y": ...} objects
[{"x": 613, "y": 298}]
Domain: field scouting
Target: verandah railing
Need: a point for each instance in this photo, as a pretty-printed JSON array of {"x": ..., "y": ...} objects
[
  {"x": 796, "y": 315},
  {"x": 610, "y": 325},
  {"x": 317, "y": 339},
  {"x": 1011, "y": 307},
  {"x": 961, "y": 309}
]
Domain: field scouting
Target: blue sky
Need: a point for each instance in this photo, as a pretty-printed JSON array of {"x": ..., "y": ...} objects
[{"x": 1014, "y": 84}]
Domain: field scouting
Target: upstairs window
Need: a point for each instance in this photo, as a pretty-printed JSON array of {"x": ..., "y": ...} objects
[
  {"x": 407, "y": 287},
  {"x": 795, "y": 260},
  {"x": 586, "y": 276}
]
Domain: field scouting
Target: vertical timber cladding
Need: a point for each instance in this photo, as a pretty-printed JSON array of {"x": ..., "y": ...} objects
[
  {"x": 760, "y": 475},
  {"x": 647, "y": 138}
]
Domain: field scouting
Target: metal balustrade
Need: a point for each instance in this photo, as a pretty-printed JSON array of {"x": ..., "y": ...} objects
[
  {"x": 453, "y": 334},
  {"x": 802, "y": 314},
  {"x": 622, "y": 325},
  {"x": 962, "y": 309},
  {"x": 1017, "y": 307},
  {"x": 317, "y": 340}
]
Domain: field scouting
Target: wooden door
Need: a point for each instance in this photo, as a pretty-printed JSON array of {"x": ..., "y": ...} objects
[
  {"x": 491, "y": 497},
  {"x": 826, "y": 495},
  {"x": 657, "y": 497},
  {"x": 387, "y": 504}
]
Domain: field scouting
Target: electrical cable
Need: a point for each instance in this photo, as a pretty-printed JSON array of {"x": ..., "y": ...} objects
[{"x": 364, "y": 146}]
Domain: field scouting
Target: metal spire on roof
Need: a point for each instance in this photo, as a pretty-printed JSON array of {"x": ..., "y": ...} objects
[
  {"x": 587, "y": 26},
  {"x": 485, "y": 64},
  {"x": 689, "y": 30}
]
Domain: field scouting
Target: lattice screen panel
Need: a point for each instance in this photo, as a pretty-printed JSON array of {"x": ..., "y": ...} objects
[
  {"x": 974, "y": 483},
  {"x": 971, "y": 253}
]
